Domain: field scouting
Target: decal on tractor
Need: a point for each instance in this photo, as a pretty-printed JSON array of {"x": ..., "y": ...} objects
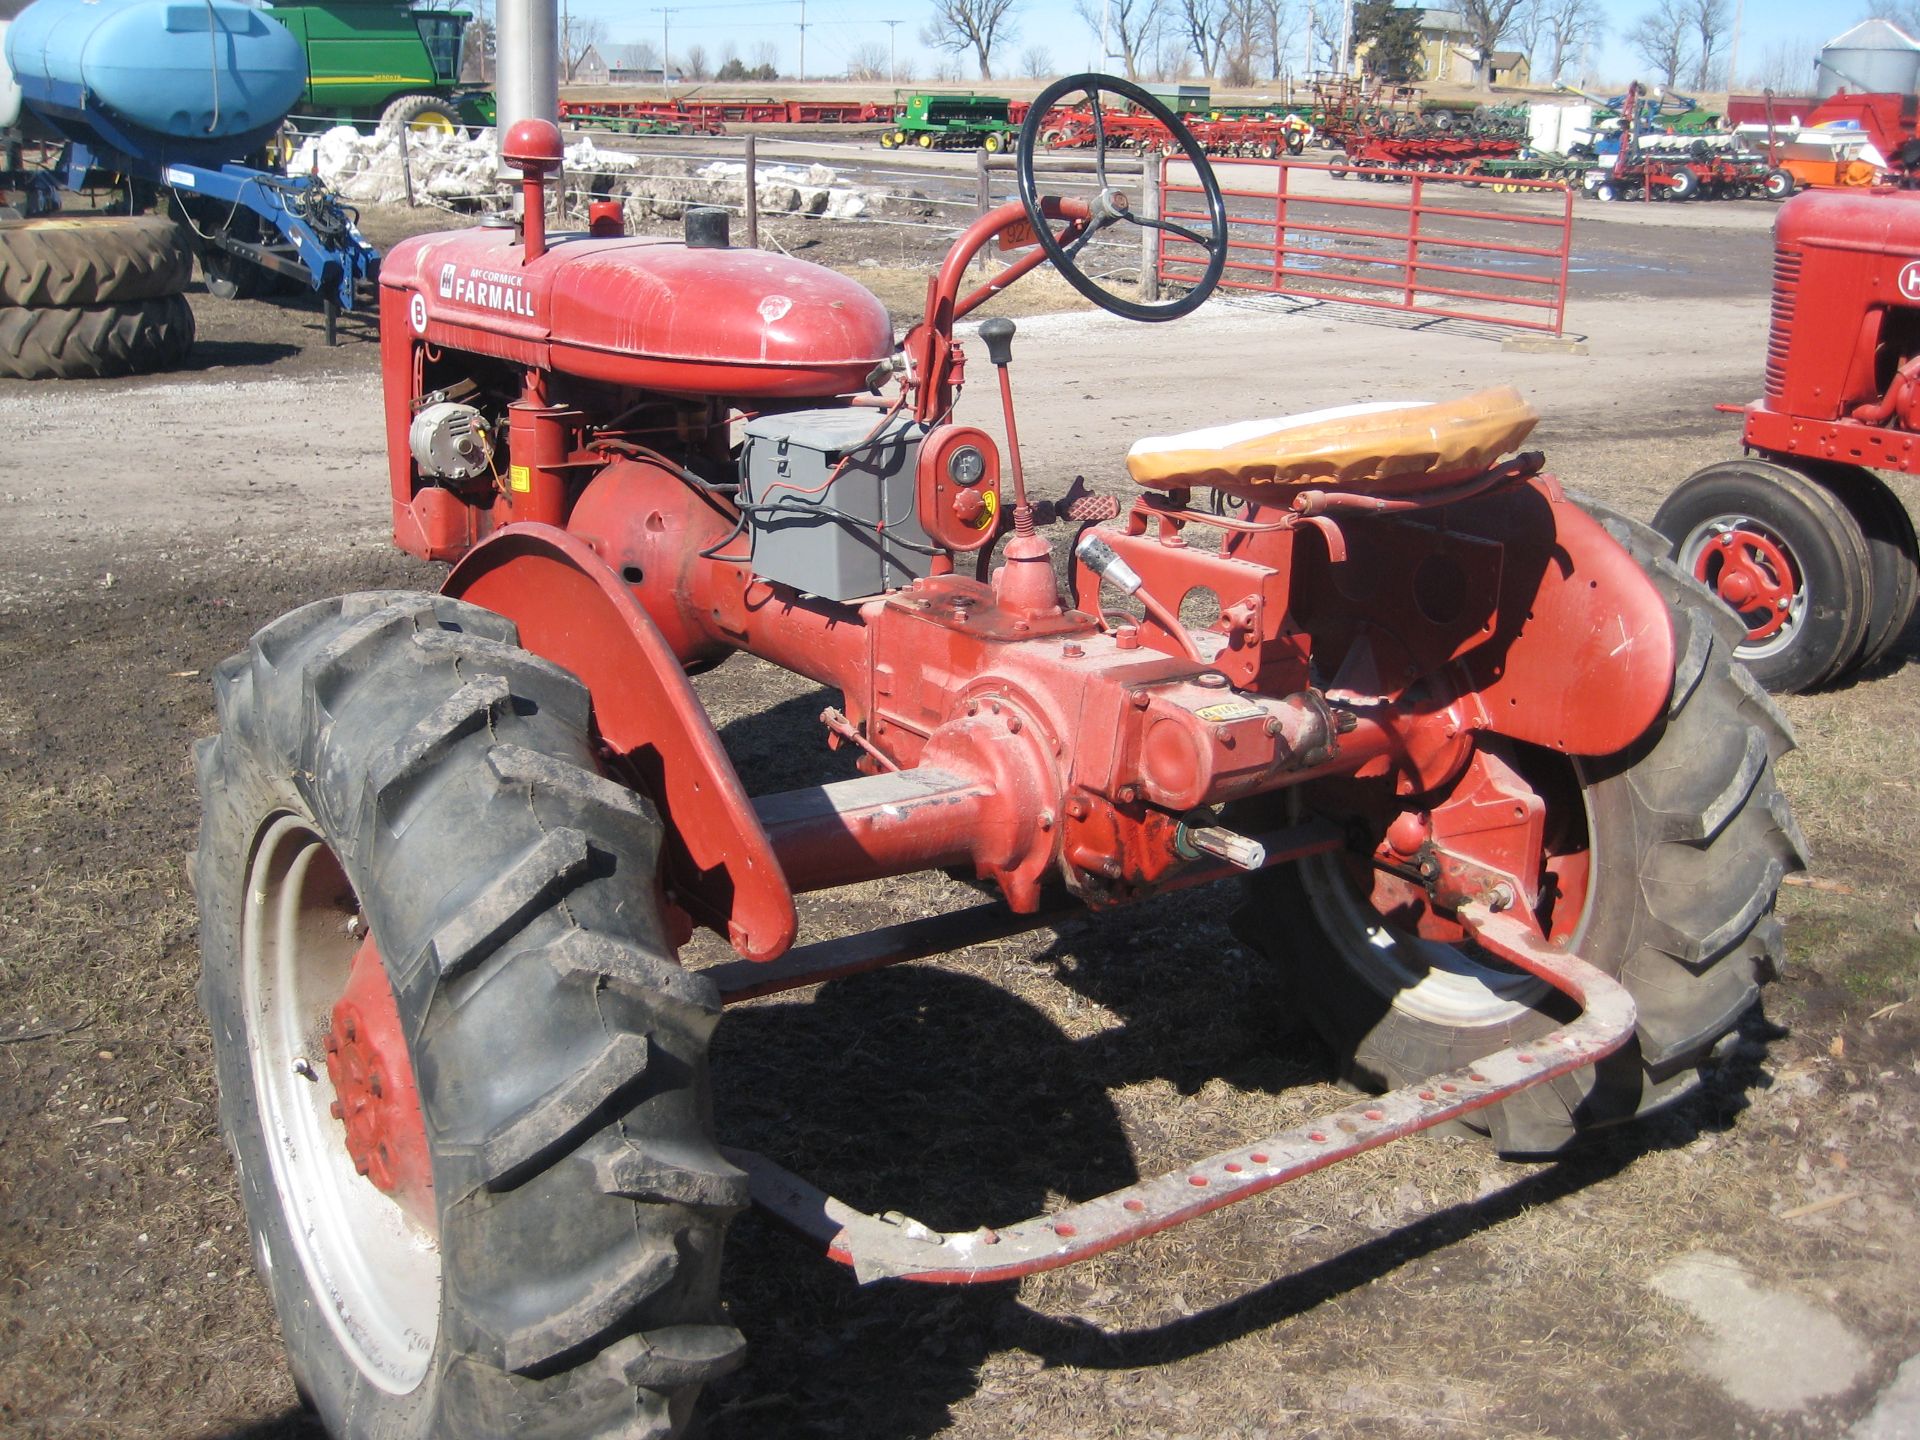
[{"x": 1910, "y": 280}]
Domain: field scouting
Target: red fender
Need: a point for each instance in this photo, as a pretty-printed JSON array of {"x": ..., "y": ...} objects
[{"x": 574, "y": 610}]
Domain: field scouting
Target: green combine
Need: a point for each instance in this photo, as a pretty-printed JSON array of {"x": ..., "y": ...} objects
[
  {"x": 937, "y": 121},
  {"x": 376, "y": 60}
]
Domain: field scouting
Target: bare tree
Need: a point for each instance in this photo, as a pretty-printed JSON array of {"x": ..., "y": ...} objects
[
  {"x": 1570, "y": 26},
  {"x": 695, "y": 62},
  {"x": 1660, "y": 37},
  {"x": 976, "y": 25},
  {"x": 1170, "y": 58},
  {"x": 1132, "y": 28},
  {"x": 766, "y": 58},
  {"x": 1242, "y": 42},
  {"x": 1786, "y": 66},
  {"x": 1488, "y": 22},
  {"x": 1709, "y": 21},
  {"x": 639, "y": 55},
  {"x": 1036, "y": 61},
  {"x": 1903, "y": 13},
  {"x": 946, "y": 71},
  {"x": 1203, "y": 24},
  {"x": 1276, "y": 21},
  {"x": 582, "y": 35},
  {"x": 868, "y": 62}
]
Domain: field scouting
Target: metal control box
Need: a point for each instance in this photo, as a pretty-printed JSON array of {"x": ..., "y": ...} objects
[{"x": 829, "y": 497}]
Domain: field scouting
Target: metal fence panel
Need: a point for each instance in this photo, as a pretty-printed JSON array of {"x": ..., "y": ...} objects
[{"x": 1411, "y": 240}]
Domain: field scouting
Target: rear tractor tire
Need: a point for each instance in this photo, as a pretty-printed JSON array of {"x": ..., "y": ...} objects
[
  {"x": 1786, "y": 556},
  {"x": 57, "y": 261},
  {"x": 1667, "y": 857},
  {"x": 433, "y": 955},
  {"x": 93, "y": 342}
]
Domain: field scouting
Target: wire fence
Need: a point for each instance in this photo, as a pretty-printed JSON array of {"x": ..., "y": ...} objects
[{"x": 658, "y": 176}]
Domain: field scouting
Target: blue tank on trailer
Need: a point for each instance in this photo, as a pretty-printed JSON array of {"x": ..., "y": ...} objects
[{"x": 198, "y": 71}]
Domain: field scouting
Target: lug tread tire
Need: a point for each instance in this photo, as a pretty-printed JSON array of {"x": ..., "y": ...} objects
[
  {"x": 409, "y": 108},
  {"x": 135, "y": 337},
  {"x": 60, "y": 263},
  {"x": 452, "y": 774},
  {"x": 1682, "y": 908}
]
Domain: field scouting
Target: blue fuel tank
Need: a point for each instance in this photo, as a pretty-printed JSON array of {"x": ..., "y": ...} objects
[{"x": 192, "y": 70}]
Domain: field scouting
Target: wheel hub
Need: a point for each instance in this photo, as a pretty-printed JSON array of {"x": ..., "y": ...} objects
[
  {"x": 375, "y": 1095},
  {"x": 1751, "y": 573}
]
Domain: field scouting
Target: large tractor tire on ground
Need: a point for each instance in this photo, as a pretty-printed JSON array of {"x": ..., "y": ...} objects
[
  {"x": 414, "y": 882},
  {"x": 1680, "y": 844},
  {"x": 60, "y": 261},
  {"x": 1892, "y": 552},
  {"x": 96, "y": 341},
  {"x": 421, "y": 114}
]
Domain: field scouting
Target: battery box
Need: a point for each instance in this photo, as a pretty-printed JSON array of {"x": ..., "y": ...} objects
[{"x": 831, "y": 501}]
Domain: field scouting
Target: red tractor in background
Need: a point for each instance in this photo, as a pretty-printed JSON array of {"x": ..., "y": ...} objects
[
  {"x": 1813, "y": 551},
  {"x": 1503, "y": 806}
]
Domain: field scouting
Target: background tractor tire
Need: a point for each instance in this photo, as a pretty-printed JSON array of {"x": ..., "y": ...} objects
[
  {"x": 421, "y": 114},
  {"x": 93, "y": 342},
  {"x": 440, "y": 784},
  {"x": 1892, "y": 551},
  {"x": 55, "y": 261},
  {"x": 1688, "y": 836},
  {"x": 1775, "y": 510}
]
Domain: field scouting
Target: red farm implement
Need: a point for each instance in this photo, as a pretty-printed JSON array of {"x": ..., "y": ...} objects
[{"x": 1503, "y": 816}]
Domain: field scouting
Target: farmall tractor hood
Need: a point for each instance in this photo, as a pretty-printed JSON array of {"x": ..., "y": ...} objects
[{"x": 643, "y": 311}]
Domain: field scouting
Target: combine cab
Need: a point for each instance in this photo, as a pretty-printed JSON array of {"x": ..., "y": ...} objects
[{"x": 1487, "y": 792}]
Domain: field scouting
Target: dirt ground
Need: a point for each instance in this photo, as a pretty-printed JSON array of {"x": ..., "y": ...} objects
[{"x": 1742, "y": 1265}]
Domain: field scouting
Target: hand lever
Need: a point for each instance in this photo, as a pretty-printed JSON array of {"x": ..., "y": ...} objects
[{"x": 998, "y": 335}]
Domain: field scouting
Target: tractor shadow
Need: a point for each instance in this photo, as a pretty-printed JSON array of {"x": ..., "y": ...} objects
[{"x": 946, "y": 1097}]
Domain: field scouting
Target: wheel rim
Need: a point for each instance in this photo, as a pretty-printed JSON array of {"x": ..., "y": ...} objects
[
  {"x": 1440, "y": 982},
  {"x": 1751, "y": 568},
  {"x": 431, "y": 122},
  {"x": 374, "y": 1271}
]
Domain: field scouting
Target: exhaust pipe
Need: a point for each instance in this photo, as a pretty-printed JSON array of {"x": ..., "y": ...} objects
[{"x": 526, "y": 65}]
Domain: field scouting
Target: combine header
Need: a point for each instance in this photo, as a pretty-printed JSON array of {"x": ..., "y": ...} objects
[{"x": 1501, "y": 812}]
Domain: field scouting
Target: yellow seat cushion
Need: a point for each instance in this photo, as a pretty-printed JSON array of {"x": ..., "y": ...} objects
[{"x": 1386, "y": 447}]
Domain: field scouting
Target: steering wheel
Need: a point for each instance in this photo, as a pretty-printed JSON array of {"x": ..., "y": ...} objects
[{"x": 1112, "y": 205}]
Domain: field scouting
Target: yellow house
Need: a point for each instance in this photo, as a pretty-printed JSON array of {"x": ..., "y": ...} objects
[{"x": 1447, "y": 52}]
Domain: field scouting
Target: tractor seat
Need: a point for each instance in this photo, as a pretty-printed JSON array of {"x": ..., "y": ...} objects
[{"x": 1388, "y": 447}]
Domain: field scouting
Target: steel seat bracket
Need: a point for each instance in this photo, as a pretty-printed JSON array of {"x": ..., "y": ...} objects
[{"x": 894, "y": 1246}]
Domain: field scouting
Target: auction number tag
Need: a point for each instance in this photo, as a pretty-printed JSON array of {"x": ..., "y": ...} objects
[{"x": 1018, "y": 236}]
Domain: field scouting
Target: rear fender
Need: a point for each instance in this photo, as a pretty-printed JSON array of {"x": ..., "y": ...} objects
[
  {"x": 574, "y": 610},
  {"x": 1550, "y": 631}
]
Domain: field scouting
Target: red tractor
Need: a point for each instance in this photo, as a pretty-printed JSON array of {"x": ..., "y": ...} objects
[
  {"x": 1504, "y": 808},
  {"x": 1813, "y": 551}
]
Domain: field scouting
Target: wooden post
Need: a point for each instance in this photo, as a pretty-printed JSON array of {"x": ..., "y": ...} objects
[
  {"x": 982, "y": 197},
  {"x": 752, "y": 201},
  {"x": 406, "y": 162},
  {"x": 1153, "y": 174}
]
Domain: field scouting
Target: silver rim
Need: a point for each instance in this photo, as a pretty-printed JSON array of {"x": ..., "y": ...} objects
[
  {"x": 373, "y": 1272},
  {"x": 1707, "y": 534},
  {"x": 1428, "y": 980}
]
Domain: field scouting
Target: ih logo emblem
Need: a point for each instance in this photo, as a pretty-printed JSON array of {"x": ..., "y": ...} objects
[
  {"x": 1910, "y": 280},
  {"x": 446, "y": 282}
]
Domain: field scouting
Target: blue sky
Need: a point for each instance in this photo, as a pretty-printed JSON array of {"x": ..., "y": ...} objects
[{"x": 837, "y": 28}]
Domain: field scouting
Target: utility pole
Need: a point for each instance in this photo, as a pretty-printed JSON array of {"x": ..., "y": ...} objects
[
  {"x": 1346, "y": 35},
  {"x": 1733, "y": 50},
  {"x": 566, "y": 43},
  {"x": 666, "y": 54},
  {"x": 893, "y": 70},
  {"x": 803, "y": 41}
]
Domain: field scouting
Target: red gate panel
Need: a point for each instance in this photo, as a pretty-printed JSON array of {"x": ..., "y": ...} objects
[{"x": 1413, "y": 240}]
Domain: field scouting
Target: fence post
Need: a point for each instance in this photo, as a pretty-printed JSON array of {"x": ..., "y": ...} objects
[
  {"x": 752, "y": 201},
  {"x": 1417, "y": 193},
  {"x": 982, "y": 196},
  {"x": 1153, "y": 176},
  {"x": 406, "y": 162}
]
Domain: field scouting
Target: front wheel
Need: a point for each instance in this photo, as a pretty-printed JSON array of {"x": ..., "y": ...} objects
[
  {"x": 1658, "y": 865},
  {"x": 462, "y": 1077},
  {"x": 1780, "y": 184},
  {"x": 1685, "y": 185},
  {"x": 1782, "y": 552}
]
